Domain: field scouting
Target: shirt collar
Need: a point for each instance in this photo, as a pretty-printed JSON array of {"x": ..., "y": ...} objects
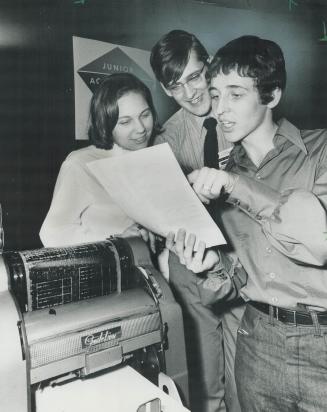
[
  {"x": 118, "y": 150},
  {"x": 291, "y": 133},
  {"x": 196, "y": 120},
  {"x": 286, "y": 130},
  {"x": 114, "y": 151},
  {"x": 237, "y": 156}
]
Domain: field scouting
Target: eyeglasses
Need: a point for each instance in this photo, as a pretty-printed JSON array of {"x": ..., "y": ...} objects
[{"x": 193, "y": 80}]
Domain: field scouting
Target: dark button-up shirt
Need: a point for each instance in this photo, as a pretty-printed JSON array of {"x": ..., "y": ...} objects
[{"x": 275, "y": 219}]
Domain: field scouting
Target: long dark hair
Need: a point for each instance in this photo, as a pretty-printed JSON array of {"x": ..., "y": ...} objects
[{"x": 104, "y": 110}]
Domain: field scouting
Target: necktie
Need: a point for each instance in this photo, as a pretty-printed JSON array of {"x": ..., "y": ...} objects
[
  {"x": 210, "y": 154},
  {"x": 210, "y": 149}
]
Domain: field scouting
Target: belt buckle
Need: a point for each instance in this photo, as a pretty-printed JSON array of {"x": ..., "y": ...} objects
[{"x": 285, "y": 319}]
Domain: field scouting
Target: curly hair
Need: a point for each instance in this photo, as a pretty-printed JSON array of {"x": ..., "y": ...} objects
[{"x": 251, "y": 56}]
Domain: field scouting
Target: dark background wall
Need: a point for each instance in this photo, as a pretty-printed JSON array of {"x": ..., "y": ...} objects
[{"x": 36, "y": 77}]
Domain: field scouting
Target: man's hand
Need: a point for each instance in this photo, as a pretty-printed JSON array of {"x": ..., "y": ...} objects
[
  {"x": 208, "y": 183},
  {"x": 196, "y": 261}
]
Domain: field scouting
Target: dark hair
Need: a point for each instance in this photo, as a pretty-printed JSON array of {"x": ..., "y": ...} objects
[
  {"x": 171, "y": 54},
  {"x": 250, "y": 56},
  {"x": 104, "y": 110}
]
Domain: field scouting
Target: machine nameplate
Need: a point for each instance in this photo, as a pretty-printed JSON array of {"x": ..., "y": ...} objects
[{"x": 99, "y": 338}]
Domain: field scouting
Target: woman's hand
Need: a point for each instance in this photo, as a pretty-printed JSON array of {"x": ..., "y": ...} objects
[{"x": 196, "y": 261}]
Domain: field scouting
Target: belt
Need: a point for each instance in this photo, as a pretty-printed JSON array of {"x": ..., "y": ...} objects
[{"x": 290, "y": 316}]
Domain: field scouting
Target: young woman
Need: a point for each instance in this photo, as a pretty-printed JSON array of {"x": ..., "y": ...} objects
[{"x": 122, "y": 118}]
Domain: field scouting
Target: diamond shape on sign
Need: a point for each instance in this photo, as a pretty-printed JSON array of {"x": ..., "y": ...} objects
[{"x": 115, "y": 61}]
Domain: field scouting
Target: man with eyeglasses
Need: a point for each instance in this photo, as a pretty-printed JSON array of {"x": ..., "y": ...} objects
[{"x": 179, "y": 61}]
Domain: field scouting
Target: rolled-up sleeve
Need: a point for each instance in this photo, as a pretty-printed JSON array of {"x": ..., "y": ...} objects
[
  {"x": 294, "y": 221},
  {"x": 224, "y": 281}
]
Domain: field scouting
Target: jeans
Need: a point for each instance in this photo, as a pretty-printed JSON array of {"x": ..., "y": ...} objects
[{"x": 280, "y": 367}]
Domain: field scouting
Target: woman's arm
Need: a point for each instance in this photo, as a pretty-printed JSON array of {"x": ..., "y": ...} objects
[{"x": 63, "y": 225}]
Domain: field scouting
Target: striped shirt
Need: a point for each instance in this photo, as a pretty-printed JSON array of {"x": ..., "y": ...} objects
[{"x": 185, "y": 134}]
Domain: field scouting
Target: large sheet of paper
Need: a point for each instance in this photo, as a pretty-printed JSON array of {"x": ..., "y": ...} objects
[{"x": 151, "y": 188}]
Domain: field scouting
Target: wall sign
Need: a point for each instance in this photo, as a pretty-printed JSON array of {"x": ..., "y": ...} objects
[{"x": 94, "y": 61}]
